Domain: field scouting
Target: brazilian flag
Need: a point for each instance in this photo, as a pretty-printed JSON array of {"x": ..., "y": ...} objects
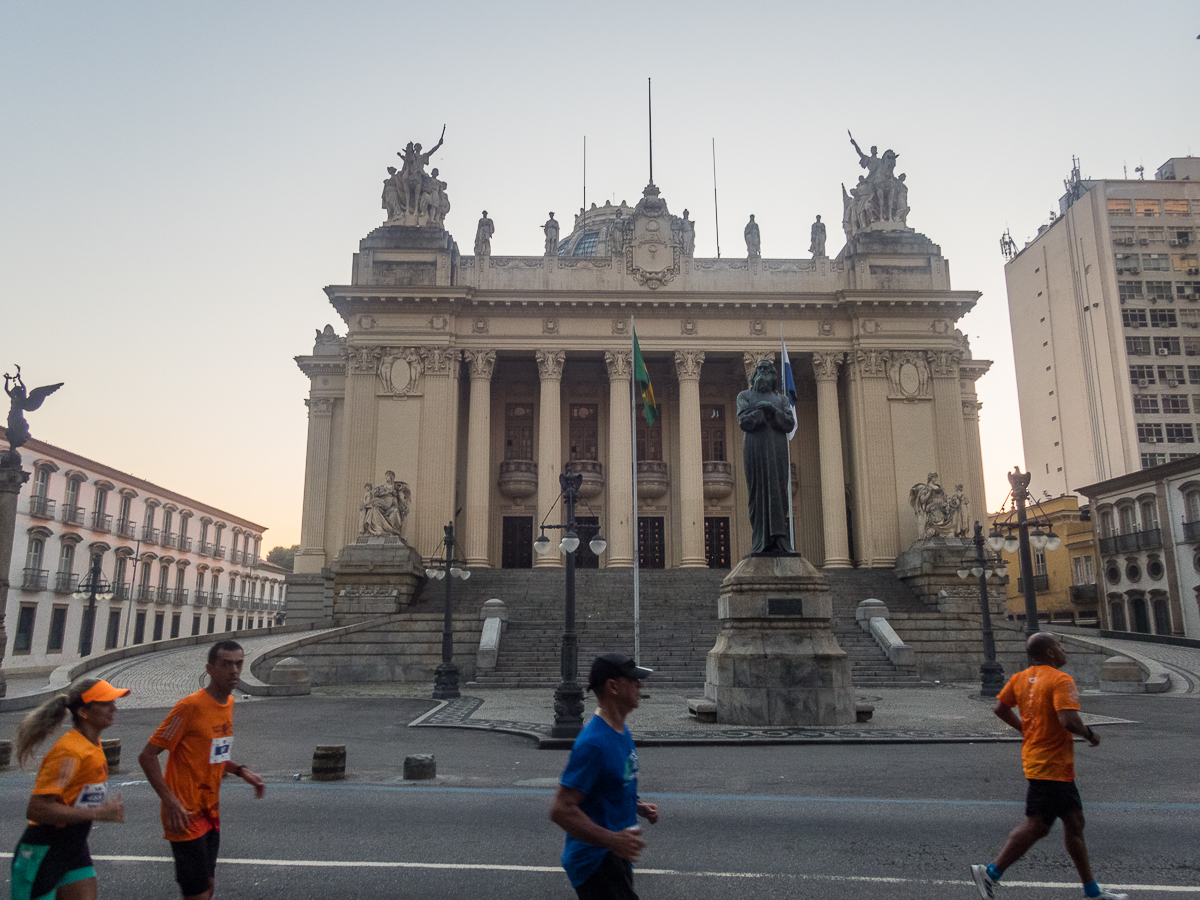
[{"x": 642, "y": 378}]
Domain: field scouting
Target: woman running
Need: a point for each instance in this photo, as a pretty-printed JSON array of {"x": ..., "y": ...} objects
[{"x": 71, "y": 792}]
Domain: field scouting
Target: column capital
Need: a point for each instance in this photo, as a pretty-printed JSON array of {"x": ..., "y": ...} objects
[
  {"x": 944, "y": 363},
  {"x": 439, "y": 360},
  {"x": 319, "y": 406},
  {"x": 871, "y": 363},
  {"x": 363, "y": 360},
  {"x": 688, "y": 363},
  {"x": 480, "y": 363},
  {"x": 971, "y": 408},
  {"x": 825, "y": 365},
  {"x": 751, "y": 359},
  {"x": 620, "y": 364},
  {"x": 550, "y": 364}
]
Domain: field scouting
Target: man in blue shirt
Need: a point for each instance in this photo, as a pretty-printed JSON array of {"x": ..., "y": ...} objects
[{"x": 597, "y": 801}]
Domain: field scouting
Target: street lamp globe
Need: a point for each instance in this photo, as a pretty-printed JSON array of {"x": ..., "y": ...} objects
[
  {"x": 1038, "y": 539},
  {"x": 1002, "y": 570},
  {"x": 542, "y": 545},
  {"x": 1053, "y": 541},
  {"x": 597, "y": 544},
  {"x": 995, "y": 539},
  {"x": 569, "y": 543},
  {"x": 1011, "y": 543},
  {"x": 963, "y": 571}
]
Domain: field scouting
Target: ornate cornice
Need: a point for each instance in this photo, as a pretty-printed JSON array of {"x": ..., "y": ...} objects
[
  {"x": 825, "y": 365},
  {"x": 480, "y": 363},
  {"x": 620, "y": 363},
  {"x": 550, "y": 364},
  {"x": 688, "y": 363}
]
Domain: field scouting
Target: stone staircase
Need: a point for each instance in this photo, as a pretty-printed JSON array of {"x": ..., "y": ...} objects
[{"x": 678, "y": 620}]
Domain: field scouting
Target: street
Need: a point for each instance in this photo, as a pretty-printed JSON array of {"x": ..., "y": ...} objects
[{"x": 756, "y": 821}]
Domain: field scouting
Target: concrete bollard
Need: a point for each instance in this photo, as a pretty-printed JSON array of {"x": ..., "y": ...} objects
[
  {"x": 863, "y": 712},
  {"x": 329, "y": 763},
  {"x": 5, "y": 754},
  {"x": 112, "y": 754},
  {"x": 420, "y": 767},
  {"x": 290, "y": 677}
]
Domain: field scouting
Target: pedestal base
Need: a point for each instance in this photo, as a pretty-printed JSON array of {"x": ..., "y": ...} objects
[
  {"x": 374, "y": 576},
  {"x": 776, "y": 660}
]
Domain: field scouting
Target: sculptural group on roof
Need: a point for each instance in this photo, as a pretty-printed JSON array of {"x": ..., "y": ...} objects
[
  {"x": 412, "y": 197},
  {"x": 880, "y": 199}
]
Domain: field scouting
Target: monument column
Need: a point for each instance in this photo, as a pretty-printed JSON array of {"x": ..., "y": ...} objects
[
  {"x": 550, "y": 368},
  {"x": 948, "y": 424},
  {"x": 12, "y": 476},
  {"x": 833, "y": 478},
  {"x": 691, "y": 460},
  {"x": 479, "y": 458},
  {"x": 361, "y": 375},
  {"x": 310, "y": 558},
  {"x": 437, "y": 449},
  {"x": 619, "y": 528}
]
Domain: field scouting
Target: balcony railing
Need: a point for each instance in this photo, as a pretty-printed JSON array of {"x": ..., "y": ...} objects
[
  {"x": 1136, "y": 540},
  {"x": 65, "y": 582},
  {"x": 121, "y": 591},
  {"x": 101, "y": 521},
  {"x": 200, "y": 598},
  {"x": 218, "y": 553},
  {"x": 166, "y": 539},
  {"x": 184, "y": 544},
  {"x": 1083, "y": 593},
  {"x": 34, "y": 579},
  {"x": 206, "y": 548},
  {"x": 1041, "y": 584},
  {"x": 214, "y": 599},
  {"x": 149, "y": 534},
  {"x": 42, "y": 507},
  {"x": 1191, "y": 531},
  {"x": 179, "y": 596},
  {"x": 74, "y": 515},
  {"x": 146, "y": 593},
  {"x": 126, "y": 529}
]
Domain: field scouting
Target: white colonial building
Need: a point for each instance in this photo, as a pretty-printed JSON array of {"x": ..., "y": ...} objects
[{"x": 176, "y": 567}]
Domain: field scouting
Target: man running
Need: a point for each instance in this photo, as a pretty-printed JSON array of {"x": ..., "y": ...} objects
[
  {"x": 198, "y": 737},
  {"x": 1049, "y": 704},
  {"x": 597, "y": 801}
]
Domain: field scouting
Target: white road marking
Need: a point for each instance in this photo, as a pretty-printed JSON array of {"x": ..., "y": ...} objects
[{"x": 500, "y": 867}]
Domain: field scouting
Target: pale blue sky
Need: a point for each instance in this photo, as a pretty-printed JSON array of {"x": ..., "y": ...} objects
[{"x": 177, "y": 183}]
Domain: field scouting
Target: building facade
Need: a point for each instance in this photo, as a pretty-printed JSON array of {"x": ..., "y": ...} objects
[
  {"x": 473, "y": 381},
  {"x": 176, "y": 567},
  {"x": 1105, "y": 313},
  {"x": 1147, "y": 539}
]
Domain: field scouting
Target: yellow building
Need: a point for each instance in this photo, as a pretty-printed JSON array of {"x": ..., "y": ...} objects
[{"x": 1064, "y": 578}]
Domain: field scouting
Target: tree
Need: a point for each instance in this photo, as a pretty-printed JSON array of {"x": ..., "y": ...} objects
[{"x": 284, "y": 557}]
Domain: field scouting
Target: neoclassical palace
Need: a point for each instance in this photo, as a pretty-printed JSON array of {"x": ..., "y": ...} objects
[{"x": 476, "y": 380}]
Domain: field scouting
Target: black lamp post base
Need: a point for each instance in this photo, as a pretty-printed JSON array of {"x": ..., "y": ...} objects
[
  {"x": 568, "y": 710},
  {"x": 991, "y": 679},
  {"x": 445, "y": 682}
]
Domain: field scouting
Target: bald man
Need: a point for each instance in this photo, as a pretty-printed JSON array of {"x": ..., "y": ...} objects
[{"x": 1048, "y": 702}]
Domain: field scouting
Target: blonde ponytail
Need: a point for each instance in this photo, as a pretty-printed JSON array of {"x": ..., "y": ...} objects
[{"x": 39, "y": 724}]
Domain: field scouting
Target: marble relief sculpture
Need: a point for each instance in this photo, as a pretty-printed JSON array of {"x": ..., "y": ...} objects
[
  {"x": 483, "y": 235},
  {"x": 938, "y": 514},
  {"x": 766, "y": 417},
  {"x": 753, "y": 239},
  {"x": 384, "y": 509},
  {"x": 879, "y": 201}
]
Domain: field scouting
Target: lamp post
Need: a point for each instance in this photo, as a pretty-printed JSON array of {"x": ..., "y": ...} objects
[
  {"x": 991, "y": 673},
  {"x": 1039, "y": 540},
  {"x": 445, "y": 677},
  {"x": 94, "y": 588},
  {"x": 132, "y": 581},
  {"x": 568, "y": 696}
]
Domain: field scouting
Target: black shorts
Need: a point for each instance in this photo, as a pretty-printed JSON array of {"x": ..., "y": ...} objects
[
  {"x": 47, "y": 858},
  {"x": 613, "y": 880},
  {"x": 196, "y": 862},
  {"x": 1050, "y": 800}
]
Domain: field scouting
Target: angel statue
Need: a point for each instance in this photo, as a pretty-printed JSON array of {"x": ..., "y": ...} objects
[{"x": 23, "y": 401}]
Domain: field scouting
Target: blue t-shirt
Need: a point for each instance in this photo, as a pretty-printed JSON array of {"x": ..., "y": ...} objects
[{"x": 604, "y": 766}]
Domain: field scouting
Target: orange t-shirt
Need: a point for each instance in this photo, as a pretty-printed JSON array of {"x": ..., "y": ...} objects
[
  {"x": 198, "y": 735},
  {"x": 1048, "y": 752},
  {"x": 74, "y": 771}
]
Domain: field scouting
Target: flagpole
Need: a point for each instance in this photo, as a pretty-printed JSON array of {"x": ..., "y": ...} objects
[{"x": 637, "y": 636}]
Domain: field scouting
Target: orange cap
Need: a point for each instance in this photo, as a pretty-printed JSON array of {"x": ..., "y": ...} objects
[{"x": 102, "y": 692}]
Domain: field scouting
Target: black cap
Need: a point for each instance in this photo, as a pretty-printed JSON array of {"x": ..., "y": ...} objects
[{"x": 615, "y": 665}]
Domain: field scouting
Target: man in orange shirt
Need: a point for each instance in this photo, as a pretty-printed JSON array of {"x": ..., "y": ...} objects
[
  {"x": 1049, "y": 704},
  {"x": 198, "y": 737}
]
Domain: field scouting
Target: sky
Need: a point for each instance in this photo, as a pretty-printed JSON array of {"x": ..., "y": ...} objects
[{"x": 178, "y": 182}]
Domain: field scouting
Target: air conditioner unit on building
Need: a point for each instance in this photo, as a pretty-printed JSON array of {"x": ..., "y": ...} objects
[
  {"x": 1129, "y": 240},
  {"x": 1135, "y": 270},
  {"x": 1142, "y": 382},
  {"x": 1144, "y": 241},
  {"x": 1172, "y": 384},
  {"x": 1174, "y": 242},
  {"x": 1162, "y": 351}
]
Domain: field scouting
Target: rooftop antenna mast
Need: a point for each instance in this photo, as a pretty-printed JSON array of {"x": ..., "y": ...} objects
[
  {"x": 585, "y": 173},
  {"x": 650, "y": 121},
  {"x": 716, "y": 215}
]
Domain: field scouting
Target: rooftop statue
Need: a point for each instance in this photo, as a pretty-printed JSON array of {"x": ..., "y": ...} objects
[
  {"x": 753, "y": 239},
  {"x": 22, "y": 401},
  {"x": 412, "y": 197},
  {"x": 816, "y": 245},
  {"x": 765, "y": 416},
  {"x": 879, "y": 202},
  {"x": 550, "y": 229},
  {"x": 483, "y": 235}
]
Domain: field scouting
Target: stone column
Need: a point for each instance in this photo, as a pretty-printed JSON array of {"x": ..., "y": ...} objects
[
  {"x": 437, "y": 449},
  {"x": 550, "y": 369},
  {"x": 833, "y": 479},
  {"x": 691, "y": 460},
  {"x": 479, "y": 458},
  {"x": 620, "y": 527},
  {"x": 877, "y": 480},
  {"x": 12, "y": 476},
  {"x": 359, "y": 424},
  {"x": 310, "y": 558},
  {"x": 948, "y": 422}
]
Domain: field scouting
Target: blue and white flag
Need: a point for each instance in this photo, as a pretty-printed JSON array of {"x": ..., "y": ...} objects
[{"x": 789, "y": 385}]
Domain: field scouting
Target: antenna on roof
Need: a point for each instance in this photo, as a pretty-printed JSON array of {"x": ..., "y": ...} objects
[
  {"x": 585, "y": 173},
  {"x": 716, "y": 215},
  {"x": 650, "y": 121}
]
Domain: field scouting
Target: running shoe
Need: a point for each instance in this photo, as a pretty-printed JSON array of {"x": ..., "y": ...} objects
[
  {"x": 1111, "y": 895},
  {"x": 987, "y": 887}
]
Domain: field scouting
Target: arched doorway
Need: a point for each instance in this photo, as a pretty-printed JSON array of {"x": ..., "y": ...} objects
[{"x": 1139, "y": 614}]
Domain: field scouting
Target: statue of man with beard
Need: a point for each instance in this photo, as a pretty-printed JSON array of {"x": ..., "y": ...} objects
[{"x": 765, "y": 416}]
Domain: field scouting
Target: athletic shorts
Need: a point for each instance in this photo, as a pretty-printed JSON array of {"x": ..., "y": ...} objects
[
  {"x": 46, "y": 858},
  {"x": 196, "y": 862},
  {"x": 1050, "y": 800},
  {"x": 612, "y": 880}
]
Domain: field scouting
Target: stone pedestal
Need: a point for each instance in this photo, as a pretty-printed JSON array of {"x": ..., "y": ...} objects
[
  {"x": 776, "y": 660},
  {"x": 930, "y": 568},
  {"x": 374, "y": 576}
]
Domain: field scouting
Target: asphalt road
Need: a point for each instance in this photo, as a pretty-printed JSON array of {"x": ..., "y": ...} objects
[{"x": 752, "y": 822}]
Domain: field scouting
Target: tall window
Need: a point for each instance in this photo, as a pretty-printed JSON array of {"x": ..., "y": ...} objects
[
  {"x": 199, "y": 583},
  {"x": 584, "y": 431},
  {"x": 119, "y": 569},
  {"x": 1149, "y": 515},
  {"x": 649, "y": 438},
  {"x": 101, "y": 500},
  {"x": 125, "y": 516},
  {"x": 72, "y": 498},
  {"x": 164, "y": 581},
  {"x": 1191, "y": 502},
  {"x": 41, "y": 483},
  {"x": 518, "y": 431},
  {"x": 168, "y": 516},
  {"x": 179, "y": 573},
  {"x": 1039, "y": 562},
  {"x": 1128, "y": 519},
  {"x": 203, "y": 532},
  {"x": 35, "y": 552},
  {"x": 1082, "y": 569},
  {"x": 1106, "y": 524},
  {"x": 184, "y": 518},
  {"x": 712, "y": 433},
  {"x": 66, "y": 559},
  {"x": 148, "y": 521}
]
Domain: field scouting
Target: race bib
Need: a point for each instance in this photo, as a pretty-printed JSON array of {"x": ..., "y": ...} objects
[
  {"x": 221, "y": 749},
  {"x": 92, "y": 795}
]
